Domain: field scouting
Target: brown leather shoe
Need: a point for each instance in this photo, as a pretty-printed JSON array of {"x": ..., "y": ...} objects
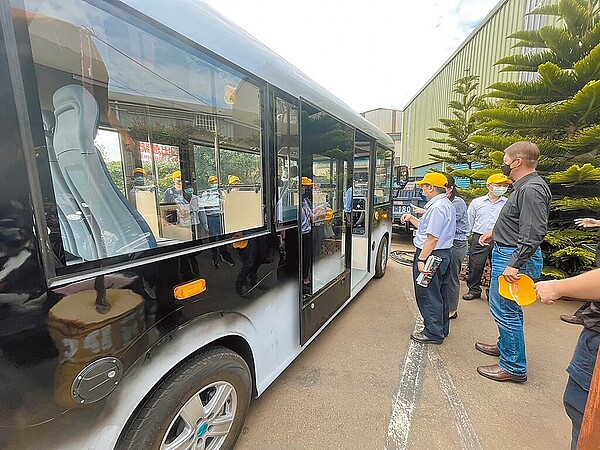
[
  {"x": 497, "y": 373},
  {"x": 572, "y": 319},
  {"x": 488, "y": 349}
]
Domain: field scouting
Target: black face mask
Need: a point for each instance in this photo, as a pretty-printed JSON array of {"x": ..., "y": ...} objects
[{"x": 506, "y": 170}]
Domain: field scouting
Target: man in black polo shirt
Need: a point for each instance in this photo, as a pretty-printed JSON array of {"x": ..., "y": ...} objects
[
  {"x": 517, "y": 235},
  {"x": 585, "y": 287}
]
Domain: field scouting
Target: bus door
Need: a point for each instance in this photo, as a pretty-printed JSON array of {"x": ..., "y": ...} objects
[
  {"x": 326, "y": 161},
  {"x": 361, "y": 209}
]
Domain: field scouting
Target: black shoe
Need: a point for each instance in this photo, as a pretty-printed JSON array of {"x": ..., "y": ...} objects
[
  {"x": 470, "y": 296},
  {"x": 227, "y": 259},
  {"x": 454, "y": 316},
  {"x": 420, "y": 337}
]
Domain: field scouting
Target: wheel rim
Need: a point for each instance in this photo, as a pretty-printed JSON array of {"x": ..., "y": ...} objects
[
  {"x": 204, "y": 421},
  {"x": 384, "y": 255}
]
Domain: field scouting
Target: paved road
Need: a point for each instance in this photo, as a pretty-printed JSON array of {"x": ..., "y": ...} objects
[{"x": 363, "y": 384}]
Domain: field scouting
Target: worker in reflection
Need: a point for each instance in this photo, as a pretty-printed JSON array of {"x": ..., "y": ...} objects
[
  {"x": 212, "y": 203},
  {"x": 175, "y": 192},
  {"x": 197, "y": 214},
  {"x": 306, "y": 217},
  {"x": 234, "y": 182},
  {"x": 251, "y": 259}
]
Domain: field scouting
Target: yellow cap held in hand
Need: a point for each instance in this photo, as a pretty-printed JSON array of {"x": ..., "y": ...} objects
[{"x": 521, "y": 291}]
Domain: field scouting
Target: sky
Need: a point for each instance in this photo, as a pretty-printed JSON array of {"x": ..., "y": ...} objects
[{"x": 369, "y": 53}]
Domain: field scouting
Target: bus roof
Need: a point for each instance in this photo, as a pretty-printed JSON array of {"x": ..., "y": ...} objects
[{"x": 200, "y": 23}]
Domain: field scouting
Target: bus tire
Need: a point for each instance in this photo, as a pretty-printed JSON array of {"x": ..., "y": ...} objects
[
  {"x": 382, "y": 257},
  {"x": 213, "y": 389}
]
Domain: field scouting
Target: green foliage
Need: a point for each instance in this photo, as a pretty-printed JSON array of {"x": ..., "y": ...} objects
[
  {"x": 575, "y": 175},
  {"x": 115, "y": 169},
  {"x": 578, "y": 204},
  {"x": 560, "y": 111},
  {"x": 456, "y": 148}
]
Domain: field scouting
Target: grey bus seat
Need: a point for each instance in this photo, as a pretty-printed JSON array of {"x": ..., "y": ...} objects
[{"x": 96, "y": 220}]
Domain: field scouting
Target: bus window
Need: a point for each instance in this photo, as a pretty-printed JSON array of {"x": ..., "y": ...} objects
[
  {"x": 383, "y": 176},
  {"x": 287, "y": 143},
  {"x": 127, "y": 118},
  {"x": 327, "y": 146}
]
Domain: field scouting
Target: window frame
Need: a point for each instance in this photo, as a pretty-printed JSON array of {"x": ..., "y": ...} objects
[{"x": 56, "y": 270}]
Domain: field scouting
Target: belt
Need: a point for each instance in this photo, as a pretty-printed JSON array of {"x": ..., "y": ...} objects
[{"x": 500, "y": 244}]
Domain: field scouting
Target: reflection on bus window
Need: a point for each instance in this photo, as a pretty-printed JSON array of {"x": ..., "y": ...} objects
[
  {"x": 383, "y": 176},
  {"x": 287, "y": 144},
  {"x": 134, "y": 132}
]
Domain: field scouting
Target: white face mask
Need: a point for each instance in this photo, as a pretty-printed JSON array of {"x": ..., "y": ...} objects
[{"x": 500, "y": 190}]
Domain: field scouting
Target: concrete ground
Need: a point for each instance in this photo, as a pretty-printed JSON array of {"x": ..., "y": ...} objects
[{"x": 363, "y": 384}]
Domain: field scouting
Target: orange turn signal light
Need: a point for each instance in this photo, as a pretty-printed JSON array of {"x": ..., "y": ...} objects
[
  {"x": 187, "y": 290},
  {"x": 384, "y": 216}
]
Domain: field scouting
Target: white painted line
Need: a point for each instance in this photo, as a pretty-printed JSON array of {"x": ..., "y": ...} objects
[
  {"x": 466, "y": 432},
  {"x": 409, "y": 390}
]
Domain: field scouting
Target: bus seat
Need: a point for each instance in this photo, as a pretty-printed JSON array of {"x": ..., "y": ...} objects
[{"x": 96, "y": 219}]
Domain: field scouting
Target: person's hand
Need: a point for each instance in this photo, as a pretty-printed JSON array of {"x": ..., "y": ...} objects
[
  {"x": 587, "y": 222},
  {"x": 486, "y": 238},
  {"x": 417, "y": 210},
  {"x": 421, "y": 267},
  {"x": 546, "y": 291},
  {"x": 405, "y": 218},
  {"x": 510, "y": 274}
]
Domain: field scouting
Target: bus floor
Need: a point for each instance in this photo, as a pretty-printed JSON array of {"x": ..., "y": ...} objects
[{"x": 363, "y": 384}]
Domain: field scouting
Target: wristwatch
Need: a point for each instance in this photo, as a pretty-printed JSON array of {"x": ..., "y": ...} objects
[{"x": 422, "y": 260}]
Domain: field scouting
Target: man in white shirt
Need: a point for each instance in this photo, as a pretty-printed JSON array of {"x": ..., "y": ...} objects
[{"x": 483, "y": 213}]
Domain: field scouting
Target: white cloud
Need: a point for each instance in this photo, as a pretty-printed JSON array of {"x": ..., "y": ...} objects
[{"x": 370, "y": 54}]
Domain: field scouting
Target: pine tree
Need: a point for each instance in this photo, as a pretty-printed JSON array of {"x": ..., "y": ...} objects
[
  {"x": 559, "y": 110},
  {"x": 456, "y": 149}
]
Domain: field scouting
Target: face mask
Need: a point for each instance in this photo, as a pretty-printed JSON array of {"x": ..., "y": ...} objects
[
  {"x": 501, "y": 190},
  {"x": 139, "y": 181},
  {"x": 423, "y": 196},
  {"x": 189, "y": 191}
]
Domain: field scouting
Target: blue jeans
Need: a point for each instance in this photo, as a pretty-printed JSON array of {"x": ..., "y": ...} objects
[
  {"x": 507, "y": 313},
  {"x": 580, "y": 372}
]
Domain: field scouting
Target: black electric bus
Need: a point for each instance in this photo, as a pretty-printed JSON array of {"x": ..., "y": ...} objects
[{"x": 172, "y": 225}]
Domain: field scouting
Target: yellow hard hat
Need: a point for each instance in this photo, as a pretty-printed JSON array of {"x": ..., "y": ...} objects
[
  {"x": 177, "y": 174},
  {"x": 434, "y": 179},
  {"x": 213, "y": 179},
  {"x": 234, "y": 179},
  {"x": 240, "y": 244},
  {"x": 521, "y": 291},
  {"x": 328, "y": 215},
  {"x": 139, "y": 170},
  {"x": 306, "y": 181},
  {"x": 498, "y": 178}
]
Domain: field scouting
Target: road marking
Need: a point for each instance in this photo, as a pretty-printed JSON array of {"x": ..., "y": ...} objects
[
  {"x": 411, "y": 383},
  {"x": 406, "y": 398},
  {"x": 466, "y": 432}
]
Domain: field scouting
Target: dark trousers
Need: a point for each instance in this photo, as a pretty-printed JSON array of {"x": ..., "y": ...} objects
[
  {"x": 250, "y": 259},
  {"x": 459, "y": 251},
  {"x": 214, "y": 231},
  {"x": 306, "y": 255},
  {"x": 433, "y": 299},
  {"x": 478, "y": 254},
  {"x": 580, "y": 372}
]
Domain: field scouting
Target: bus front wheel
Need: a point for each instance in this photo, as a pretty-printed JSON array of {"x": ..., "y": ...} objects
[
  {"x": 200, "y": 405},
  {"x": 382, "y": 257}
]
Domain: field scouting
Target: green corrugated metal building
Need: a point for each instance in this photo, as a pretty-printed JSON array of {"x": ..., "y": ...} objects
[{"x": 486, "y": 45}]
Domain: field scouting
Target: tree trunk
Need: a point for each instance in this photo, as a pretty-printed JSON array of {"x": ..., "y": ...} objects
[{"x": 589, "y": 437}]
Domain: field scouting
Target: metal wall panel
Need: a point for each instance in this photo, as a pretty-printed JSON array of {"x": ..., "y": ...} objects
[{"x": 477, "y": 55}]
